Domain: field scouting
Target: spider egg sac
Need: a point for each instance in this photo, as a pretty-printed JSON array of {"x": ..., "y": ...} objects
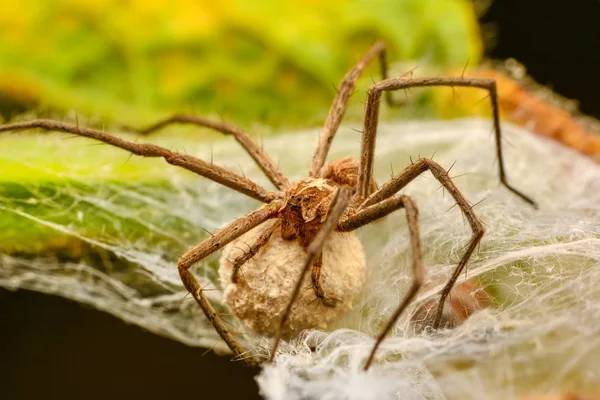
[{"x": 267, "y": 280}]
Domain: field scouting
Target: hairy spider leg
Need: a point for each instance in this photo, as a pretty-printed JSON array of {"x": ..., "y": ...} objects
[
  {"x": 381, "y": 203},
  {"x": 316, "y": 283},
  {"x": 337, "y": 207},
  {"x": 379, "y": 210},
  {"x": 208, "y": 246},
  {"x": 367, "y": 152},
  {"x": 261, "y": 241},
  {"x": 262, "y": 159},
  {"x": 212, "y": 172},
  {"x": 340, "y": 104}
]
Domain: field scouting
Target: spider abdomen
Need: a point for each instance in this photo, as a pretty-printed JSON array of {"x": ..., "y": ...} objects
[{"x": 267, "y": 280}]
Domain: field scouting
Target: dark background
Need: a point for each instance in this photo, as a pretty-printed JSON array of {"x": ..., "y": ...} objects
[
  {"x": 52, "y": 348},
  {"x": 557, "y": 41}
]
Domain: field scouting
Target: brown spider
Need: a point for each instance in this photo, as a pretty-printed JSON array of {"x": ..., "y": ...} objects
[{"x": 340, "y": 196}]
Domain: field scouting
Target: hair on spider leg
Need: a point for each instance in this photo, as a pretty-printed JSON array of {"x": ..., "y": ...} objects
[
  {"x": 455, "y": 96},
  {"x": 247, "y": 358},
  {"x": 128, "y": 158},
  {"x": 487, "y": 96},
  {"x": 221, "y": 116},
  {"x": 308, "y": 289},
  {"x": 506, "y": 141},
  {"x": 242, "y": 171},
  {"x": 478, "y": 203},
  {"x": 461, "y": 175},
  {"x": 226, "y": 315},
  {"x": 462, "y": 75},
  {"x": 410, "y": 72},
  {"x": 316, "y": 302},
  {"x": 450, "y": 169},
  {"x": 247, "y": 245},
  {"x": 211, "y": 348},
  {"x": 409, "y": 93},
  {"x": 212, "y": 289},
  {"x": 207, "y": 231},
  {"x": 454, "y": 177},
  {"x": 335, "y": 88},
  {"x": 228, "y": 260},
  {"x": 229, "y": 322}
]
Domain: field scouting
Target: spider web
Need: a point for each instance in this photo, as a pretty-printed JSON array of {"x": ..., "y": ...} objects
[{"x": 114, "y": 246}]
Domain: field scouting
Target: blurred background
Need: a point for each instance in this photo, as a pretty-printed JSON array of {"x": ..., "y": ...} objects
[
  {"x": 249, "y": 61},
  {"x": 259, "y": 61},
  {"x": 261, "y": 64}
]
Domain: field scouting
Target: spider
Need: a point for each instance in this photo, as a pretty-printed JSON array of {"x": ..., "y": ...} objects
[{"x": 338, "y": 197}]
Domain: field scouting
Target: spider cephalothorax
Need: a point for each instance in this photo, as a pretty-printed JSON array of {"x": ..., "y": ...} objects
[
  {"x": 305, "y": 208},
  {"x": 307, "y": 201},
  {"x": 307, "y": 226}
]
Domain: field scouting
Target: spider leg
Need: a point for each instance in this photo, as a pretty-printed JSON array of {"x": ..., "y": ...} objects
[
  {"x": 340, "y": 104},
  {"x": 365, "y": 172},
  {"x": 379, "y": 210},
  {"x": 212, "y": 172},
  {"x": 337, "y": 207},
  {"x": 262, "y": 240},
  {"x": 262, "y": 159},
  {"x": 210, "y": 245},
  {"x": 316, "y": 282},
  {"x": 368, "y": 212}
]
